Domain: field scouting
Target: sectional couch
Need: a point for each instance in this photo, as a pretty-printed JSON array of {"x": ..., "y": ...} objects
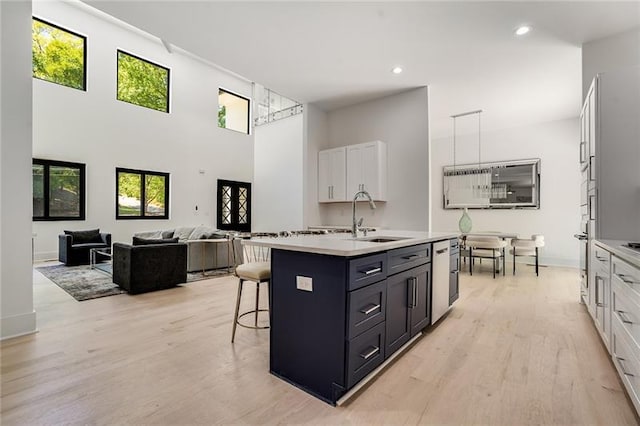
[{"x": 213, "y": 257}]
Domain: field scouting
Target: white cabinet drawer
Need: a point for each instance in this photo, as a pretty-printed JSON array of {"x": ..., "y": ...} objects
[
  {"x": 627, "y": 273},
  {"x": 624, "y": 353},
  {"x": 600, "y": 257},
  {"x": 625, "y": 306}
]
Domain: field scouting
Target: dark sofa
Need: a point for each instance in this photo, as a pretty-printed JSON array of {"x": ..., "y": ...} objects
[
  {"x": 149, "y": 267},
  {"x": 74, "y": 246}
]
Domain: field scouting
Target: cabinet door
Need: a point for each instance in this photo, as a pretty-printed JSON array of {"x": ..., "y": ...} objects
[
  {"x": 397, "y": 320},
  {"x": 354, "y": 170},
  {"x": 371, "y": 170},
  {"x": 453, "y": 277},
  {"x": 338, "y": 174},
  {"x": 331, "y": 175},
  {"x": 419, "y": 311},
  {"x": 324, "y": 176}
]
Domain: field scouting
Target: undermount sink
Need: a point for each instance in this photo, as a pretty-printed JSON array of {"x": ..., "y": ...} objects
[{"x": 381, "y": 239}]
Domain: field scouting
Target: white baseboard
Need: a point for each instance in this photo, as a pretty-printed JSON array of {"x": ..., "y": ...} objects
[
  {"x": 18, "y": 325},
  {"x": 43, "y": 256}
]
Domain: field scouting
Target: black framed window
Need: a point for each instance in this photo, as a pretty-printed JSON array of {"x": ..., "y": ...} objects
[
  {"x": 233, "y": 111},
  {"x": 141, "y": 194},
  {"x": 58, "y": 55},
  {"x": 143, "y": 83},
  {"x": 58, "y": 190},
  {"x": 234, "y": 205}
]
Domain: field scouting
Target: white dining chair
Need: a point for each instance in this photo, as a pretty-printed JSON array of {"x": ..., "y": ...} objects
[
  {"x": 486, "y": 247},
  {"x": 527, "y": 247}
]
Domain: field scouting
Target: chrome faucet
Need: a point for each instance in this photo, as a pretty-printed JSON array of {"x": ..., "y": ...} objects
[{"x": 356, "y": 225}]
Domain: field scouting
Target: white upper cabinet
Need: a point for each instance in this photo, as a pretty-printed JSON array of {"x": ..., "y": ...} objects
[
  {"x": 332, "y": 175},
  {"x": 367, "y": 169}
]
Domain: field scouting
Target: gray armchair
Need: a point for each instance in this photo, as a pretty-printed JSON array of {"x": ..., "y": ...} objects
[
  {"x": 150, "y": 267},
  {"x": 74, "y": 246}
]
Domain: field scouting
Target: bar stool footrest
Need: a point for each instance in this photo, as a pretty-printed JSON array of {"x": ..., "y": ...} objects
[{"x": 253, "y": 311}]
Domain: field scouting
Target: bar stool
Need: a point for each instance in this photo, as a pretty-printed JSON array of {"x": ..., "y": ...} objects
[{"x": 256, "y": 268}]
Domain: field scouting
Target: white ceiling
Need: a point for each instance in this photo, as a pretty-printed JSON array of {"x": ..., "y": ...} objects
[{"x": 339, "y": 53}]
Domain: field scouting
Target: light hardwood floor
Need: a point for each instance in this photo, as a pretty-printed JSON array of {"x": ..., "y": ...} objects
[{"x": 514, "y": 351}]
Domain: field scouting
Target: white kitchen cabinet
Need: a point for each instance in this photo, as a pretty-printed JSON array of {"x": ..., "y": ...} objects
[
  {"x": 367, "y": 169},
  {"x": 332, "y": 175}
]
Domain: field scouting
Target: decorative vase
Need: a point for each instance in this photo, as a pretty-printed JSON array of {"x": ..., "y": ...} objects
[{"x": 465, "y": 222}]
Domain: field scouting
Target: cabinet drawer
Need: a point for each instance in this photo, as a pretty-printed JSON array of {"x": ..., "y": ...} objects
[
  {"x": 408, "y": 257},
  {"x": 367, "y": 270},
  {"x": 366, "y": 308},
  {"x": 365, "y": 353},
  {"x": 600, "y": 257},
  {"x": 626, "y": 307},
  {"x": 627, "y": 273},
  {"x": 455, "y": 245},
  {"x": 623, "y": 353},
  {"x": 454, "y": 262}
]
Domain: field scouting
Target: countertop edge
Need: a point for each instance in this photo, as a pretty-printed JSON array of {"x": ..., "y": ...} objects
[
  {"x": 616, "y": 248},
  {"x": 280, "y": 244}
]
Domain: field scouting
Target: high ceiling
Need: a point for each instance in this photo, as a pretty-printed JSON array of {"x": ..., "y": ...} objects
[{"x": 339, "y": 53}]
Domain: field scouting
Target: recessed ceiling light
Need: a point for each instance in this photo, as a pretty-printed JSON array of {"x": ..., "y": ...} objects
[
  {"x": 396, "y": 70},
  {"x": 523, "y": 30}
]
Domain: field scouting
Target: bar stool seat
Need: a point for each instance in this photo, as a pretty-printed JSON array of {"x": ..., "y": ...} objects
[{"x": 257, "y": 272}]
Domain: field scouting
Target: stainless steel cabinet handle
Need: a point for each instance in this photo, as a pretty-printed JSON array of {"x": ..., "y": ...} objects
[
  {"x": 625, "y": 320},
  {"x": 602, "y": 259},
  {"x": 597, "y": 291},
  {"x": 410, "y": 257},
  {"x": 626, "y": 279},
  {"x": 591, "y": 171},
  {"x": 417, "y": 294},
  {"x": 582, "y": 151},
  {"x": 372, "y": 308},
  {"x": 374, "y": 350},
  {"x": 371, "y": 271},
  {"x": 620, "y": 361},
  {"x": 444, "y": 250}
]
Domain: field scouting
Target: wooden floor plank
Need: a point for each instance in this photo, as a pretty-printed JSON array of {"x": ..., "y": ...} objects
[{"x": 513, "y": 350}]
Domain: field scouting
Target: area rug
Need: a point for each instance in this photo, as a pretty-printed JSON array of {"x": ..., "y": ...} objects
[{"x": 84, "y": 283}]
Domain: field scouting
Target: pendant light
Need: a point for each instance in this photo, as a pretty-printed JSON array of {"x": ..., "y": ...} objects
[{"x": 478, "y": 179}]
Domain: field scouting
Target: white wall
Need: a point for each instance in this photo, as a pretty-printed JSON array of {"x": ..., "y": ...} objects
[
  {"x": 278, "y": 189},
  {"x": 609, "y": 53},
  {"x": 402, "y": 121},
  {"x": 16, "y": 277},
  {"x": 92, "y": 127},
  {"x": 558, "y": 218},
  {"x": 316, "y": 134}
]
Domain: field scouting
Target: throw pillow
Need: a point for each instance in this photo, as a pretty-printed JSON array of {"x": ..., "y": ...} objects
[
  {"x": 85, "y": 237},
  {"x": 167, "y": 234},
  {"x": 183, "y": 233},
  {"x": 149, "y": 234},
  {"x": 137, "y": 241},
  {"x": 200, "y": 232}
]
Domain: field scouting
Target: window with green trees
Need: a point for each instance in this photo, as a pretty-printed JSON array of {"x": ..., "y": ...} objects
[
  {"x": 142, "y": 83},
  {"x": 59, "y": 55},
  {"x": 58, "y": 190},
  {"x": 233, "y": 111},
  {"x": 142, "y": 194}
]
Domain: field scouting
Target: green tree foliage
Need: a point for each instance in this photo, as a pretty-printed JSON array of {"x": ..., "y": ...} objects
[
  {"x": 130, "y": 186},
  {"x": 222, "y": 116},
  {"x": 58, "y": 56},
  {"x": 154, "y": 195},
  {"x": 142, "y": 83}
]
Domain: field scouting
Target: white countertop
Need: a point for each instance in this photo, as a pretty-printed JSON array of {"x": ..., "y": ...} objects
[
  {"x": 616, "y": 247},
  {"x": 345, "y": 245}
]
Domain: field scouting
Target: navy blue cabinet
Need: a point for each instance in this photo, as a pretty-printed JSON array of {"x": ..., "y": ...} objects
[
  {"x": 454, "y": 270},
  {"x": 357, "y": 312}
]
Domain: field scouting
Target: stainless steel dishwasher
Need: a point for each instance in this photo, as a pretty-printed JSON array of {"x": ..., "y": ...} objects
[{"x": 440, "y": 280}]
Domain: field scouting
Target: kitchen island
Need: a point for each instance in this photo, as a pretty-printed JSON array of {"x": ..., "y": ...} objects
[{"x": 341, "y": 308}]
